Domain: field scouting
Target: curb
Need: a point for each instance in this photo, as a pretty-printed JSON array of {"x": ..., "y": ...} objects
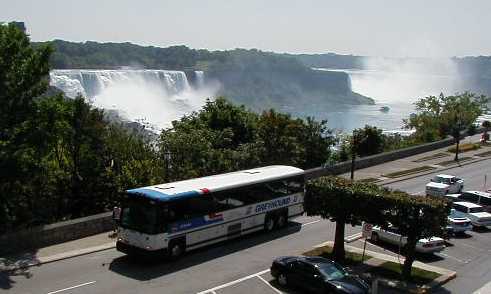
[
  {"x": 433, "y": 171},
  {"x": 58, "y": 257},
  {"x": 353, "y": 238},
  {"x": 442, "y": 279}
]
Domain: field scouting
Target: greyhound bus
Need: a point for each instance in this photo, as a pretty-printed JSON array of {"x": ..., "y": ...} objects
[{"x": 172, "y": 218}]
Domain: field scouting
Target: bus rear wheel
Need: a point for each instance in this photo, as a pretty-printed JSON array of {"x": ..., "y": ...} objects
[
  {"x": 269, "y": 223},
  {"x": 282, "y": 220}
]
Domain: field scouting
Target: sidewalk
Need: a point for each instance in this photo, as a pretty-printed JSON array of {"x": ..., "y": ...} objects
[
  {"x": 379, "y": 258},
  {"x": 434, "y": 161},
  {"x": 57, "y": 252}
]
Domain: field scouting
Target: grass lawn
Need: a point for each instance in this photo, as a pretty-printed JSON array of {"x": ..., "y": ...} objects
[
  {"x": 465, "y": 147},
  {"x": 434, "y": 156},
  {"x": 369, "y": 180},
  {"x": 326, "y": 252},
  {"x": 408, "y": 171},
  {"x": 392, "y": 270}
]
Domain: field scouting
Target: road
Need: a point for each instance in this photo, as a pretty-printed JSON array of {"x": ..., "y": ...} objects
[
  {"x": 242, "y": 265},
  {"x": 469, "y": 255}
]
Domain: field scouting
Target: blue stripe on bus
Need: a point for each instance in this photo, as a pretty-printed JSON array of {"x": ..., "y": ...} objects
[{"x": 160, "y": 196}]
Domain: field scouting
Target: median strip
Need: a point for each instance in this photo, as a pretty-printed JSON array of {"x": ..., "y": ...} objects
[{"x": 407, "y": 172}]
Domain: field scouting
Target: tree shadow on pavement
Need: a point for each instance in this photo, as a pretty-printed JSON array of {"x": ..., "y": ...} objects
[
  {"x": 145, "y": 269},
  {"x": 16, "y": 265}
]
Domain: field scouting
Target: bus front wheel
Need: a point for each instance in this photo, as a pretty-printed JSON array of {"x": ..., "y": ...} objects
[{"x": 176, "y": 250}]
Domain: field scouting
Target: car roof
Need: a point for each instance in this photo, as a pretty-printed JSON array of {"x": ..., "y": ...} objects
[
  {"x": 445, "y": 176},
  {"x": 437, "y": 185},
  {"x": 468, "y": 204},
  {"x": 479, "y": 193}
]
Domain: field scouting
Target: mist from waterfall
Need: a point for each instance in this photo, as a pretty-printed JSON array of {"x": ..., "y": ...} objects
[{"x": 152, "y": 97}]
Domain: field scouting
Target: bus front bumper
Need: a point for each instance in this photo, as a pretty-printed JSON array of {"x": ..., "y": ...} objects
[{"x": 133, "y": 250}]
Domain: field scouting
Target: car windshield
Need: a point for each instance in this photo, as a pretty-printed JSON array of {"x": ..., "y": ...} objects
[
  {"x": 476, "y": 209},
  {"x": 332, "y": 271},
  {"x": 140, "y": 216}
]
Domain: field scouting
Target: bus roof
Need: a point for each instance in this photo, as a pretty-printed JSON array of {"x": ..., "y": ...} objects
[{"x": 199, "y": 186}]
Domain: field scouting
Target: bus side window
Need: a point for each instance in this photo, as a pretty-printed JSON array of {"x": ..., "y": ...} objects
[
  {"x": 295, "y": 185},
  {"x": 277, "y": 188}
]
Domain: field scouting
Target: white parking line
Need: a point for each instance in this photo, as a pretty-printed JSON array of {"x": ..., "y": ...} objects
[
  {"x": 470, "y": 246},
  {"x": 485, "y": 289},
  {"x": 269, "y": 285},
  {"x": 451, "y": 257},
  {"x": 73, "y": 287},
  {"x": 310, "y": 223},
  {"x": 212, "y": 290}
]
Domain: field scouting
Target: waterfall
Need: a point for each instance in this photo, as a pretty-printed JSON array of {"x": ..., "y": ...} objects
[
  {"x": 155, "y": 97},
  {"x": 200, "y": 78}
]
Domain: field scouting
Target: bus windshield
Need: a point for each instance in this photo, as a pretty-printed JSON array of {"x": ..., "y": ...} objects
[{"x": 140, "y": 216}]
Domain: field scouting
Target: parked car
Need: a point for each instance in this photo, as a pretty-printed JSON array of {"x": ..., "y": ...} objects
[
  {"x": 458, "y": 222},
  {"x": 316, "y": 275},
  {"x": 453, "y": 197},
  {"x": 391, "y": 235},
  {"x": 442, "y": 184},
  {"x": 477, "y": 197},
  {"x": 476, "y": 213}
]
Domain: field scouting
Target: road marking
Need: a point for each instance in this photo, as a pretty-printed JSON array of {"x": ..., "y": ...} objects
[
  {"x": 451, "y": 257},
  {"x": 232, "y": 282},
  {"x": 473, "y": 247},
  {"x": 73, "y": 287},
  {"x": 269, "y": 285},
  {"x": 310, "y": 223},
  {"x": 485, "y": 289}
]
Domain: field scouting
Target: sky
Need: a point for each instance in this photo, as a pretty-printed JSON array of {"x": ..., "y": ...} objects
[{"x": 390, "y": 28}]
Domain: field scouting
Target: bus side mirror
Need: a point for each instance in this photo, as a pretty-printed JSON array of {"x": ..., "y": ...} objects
[{"x": 116, "y": 214}]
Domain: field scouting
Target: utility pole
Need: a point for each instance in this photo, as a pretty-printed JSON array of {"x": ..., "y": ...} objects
[{"x": 353, "y": 155}]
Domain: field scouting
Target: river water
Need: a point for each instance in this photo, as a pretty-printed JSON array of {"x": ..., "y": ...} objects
[{"x": 395, "y": 89}]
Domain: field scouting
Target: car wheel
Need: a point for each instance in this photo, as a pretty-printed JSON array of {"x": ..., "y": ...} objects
[
  {"x": 269, "y": 223},
  {"x": 282, "y": 280},
  {"x": 374, "y": 237},
  {"x": 176, "y": 250}
]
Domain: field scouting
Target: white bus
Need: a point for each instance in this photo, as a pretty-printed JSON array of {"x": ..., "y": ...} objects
[{"x": 169, "y": 219}]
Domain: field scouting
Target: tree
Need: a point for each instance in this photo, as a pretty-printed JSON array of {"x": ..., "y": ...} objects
[
  {"x": 440, "y": 116},
  {"x": 344, "y": 202},
  {"x": 369, "y": 140},
  {"x": 486, "y": 125},
  {"x": 366, "y": 141},
  {"x": 23, "y": 76},
  {"x": 351, "y": 202},
  {"x": 416, "y": 218}
]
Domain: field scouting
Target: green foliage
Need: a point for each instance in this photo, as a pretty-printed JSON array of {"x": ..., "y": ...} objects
[
  {"x": 440, "y": 116},
  {"x": 368, "y": 141},
  {"x": 223, "y": 137},
  {"x": 351, "y": 202}
]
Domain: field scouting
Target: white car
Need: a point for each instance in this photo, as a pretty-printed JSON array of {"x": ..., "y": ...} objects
[
  {"x": 392, "y": 236},
  {"x": 458, "y": 222},
  {"x": 476, "y": 213},
  {"x": 442, "y": 184}
]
